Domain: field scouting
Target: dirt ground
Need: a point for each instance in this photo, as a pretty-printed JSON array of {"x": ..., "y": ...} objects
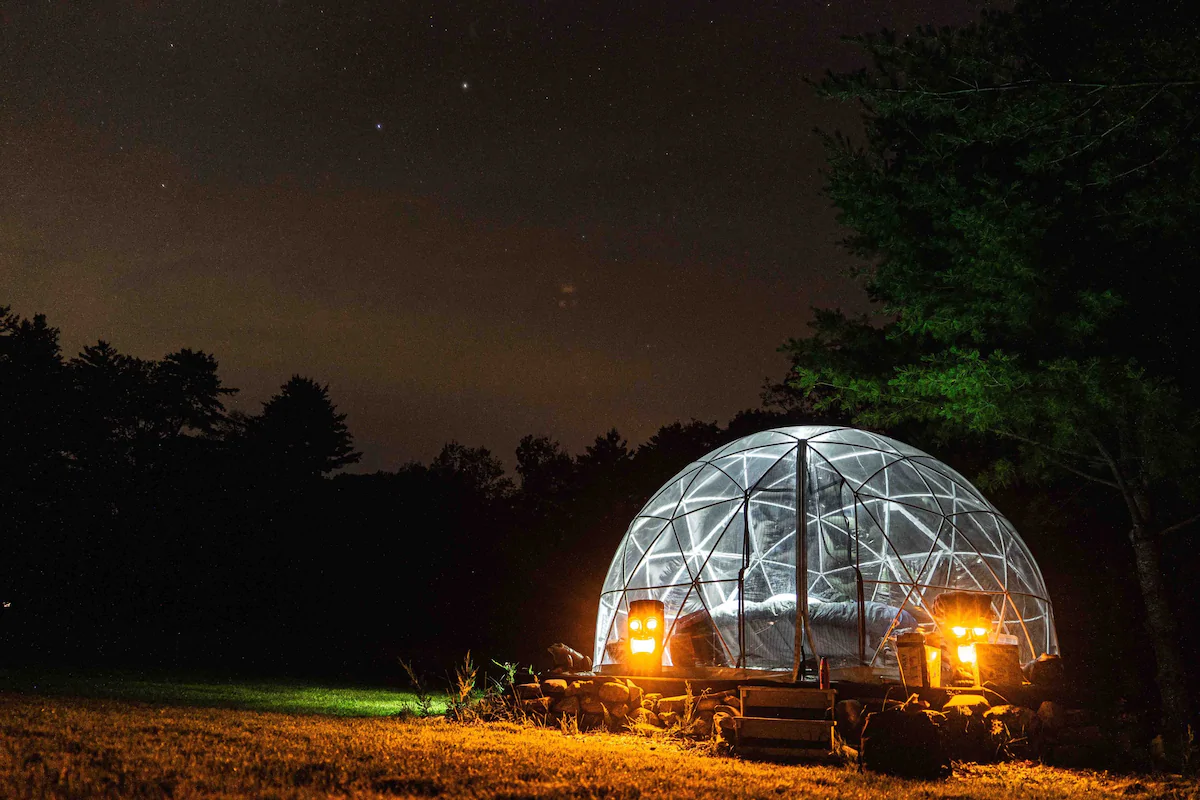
[{"x": 69, "y": 748}]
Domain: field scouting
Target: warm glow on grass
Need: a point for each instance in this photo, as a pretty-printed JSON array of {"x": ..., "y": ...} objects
[{"x": 82, "y": 748}]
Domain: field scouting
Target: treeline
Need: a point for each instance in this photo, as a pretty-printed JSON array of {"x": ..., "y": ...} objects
[{"x": 144, "y": 523}]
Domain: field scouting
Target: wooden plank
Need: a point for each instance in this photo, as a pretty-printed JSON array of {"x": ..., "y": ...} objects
[
  {"x": 785, "y": 697},
  {"x": 800, "y": 731},
  {"x": 818, "y": 755}
]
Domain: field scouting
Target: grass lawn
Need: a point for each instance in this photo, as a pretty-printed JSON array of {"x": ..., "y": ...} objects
[
  {"x": 63, "y": 747},
  {"x": 293, "y": 697}
]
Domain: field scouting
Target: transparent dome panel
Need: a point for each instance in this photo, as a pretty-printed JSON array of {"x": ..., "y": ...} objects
[{"x": 878, "y": 529}]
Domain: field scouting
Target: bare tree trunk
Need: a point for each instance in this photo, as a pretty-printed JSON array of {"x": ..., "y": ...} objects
[
  {"x": 1161, "y": 623},
  {"x": 1163, "y": 628}
]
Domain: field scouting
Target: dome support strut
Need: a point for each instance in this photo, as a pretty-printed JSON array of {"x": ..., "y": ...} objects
[{"x": 803, "y": 629}]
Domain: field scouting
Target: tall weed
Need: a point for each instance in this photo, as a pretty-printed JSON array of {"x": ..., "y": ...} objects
[
  {"x": 462, "y": 687},
  {"x": 420, "y": 689}
]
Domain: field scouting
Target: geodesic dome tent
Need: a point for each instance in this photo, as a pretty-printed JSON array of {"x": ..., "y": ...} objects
[{"x": 885, "y": 529}]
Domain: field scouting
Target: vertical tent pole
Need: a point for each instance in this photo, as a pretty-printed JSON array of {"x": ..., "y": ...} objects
[
  {"x": 801, "y": 561},
  {"x": 862, "y": 622},
  {"x": 858, "y": 579},
  {"x": 742, "y": 581}
]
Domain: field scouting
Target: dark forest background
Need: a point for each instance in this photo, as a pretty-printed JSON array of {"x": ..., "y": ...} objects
[{"x": 143, "y": 525}]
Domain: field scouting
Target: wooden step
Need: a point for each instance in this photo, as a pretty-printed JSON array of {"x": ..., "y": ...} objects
[
  {"x": 783, "y": 737},
  {"x": 787, "y": 702}
]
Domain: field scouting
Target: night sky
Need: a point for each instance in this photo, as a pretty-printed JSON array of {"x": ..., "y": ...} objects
[{"x": 473, "y": 220}]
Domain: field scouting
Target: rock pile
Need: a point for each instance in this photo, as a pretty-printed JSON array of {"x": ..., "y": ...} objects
[
  {"x": 620, "y": 704},
  {"x": 971, "y": 729},
  {"x": 968, "y": 727}
]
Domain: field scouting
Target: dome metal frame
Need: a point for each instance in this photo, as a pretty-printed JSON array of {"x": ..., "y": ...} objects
[{"x": 886, "y": 528}]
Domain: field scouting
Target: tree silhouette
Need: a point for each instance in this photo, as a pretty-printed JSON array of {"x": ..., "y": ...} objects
[
  {"x": 545, "y": 469},
  {"x": 300, "y": 433},
  {"x": 189, "y": 392},
  {"x": 112, "y": 391},
  {"x": 1026, "y": 201},
  {"x": 473, "y": 470},
  {"x": 33, "y": 397}
]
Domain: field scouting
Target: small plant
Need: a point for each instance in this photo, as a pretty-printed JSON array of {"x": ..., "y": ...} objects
[
  {"x": 497, "y": 701},
  {"x": 689, "y": 707},
  {"x": 569, "y": 724},
  {"x": 510, "y": 670},
  {"x": 1190, "y": 752},
  {"x": 503, "y": 702},
  {"x": 458, "y": 700},
  {"x": 424, "y": 707}
]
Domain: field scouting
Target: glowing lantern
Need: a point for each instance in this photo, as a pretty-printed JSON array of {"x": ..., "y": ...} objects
[
  {"x": 969, "y": 619},
  {"x": 646, "y": 626}
]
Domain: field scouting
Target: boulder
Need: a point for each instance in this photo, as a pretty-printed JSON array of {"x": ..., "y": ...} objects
[
  {"x": 652, "y": 698},
  {"x": 537, "y": 705},
  {"x": 635, "y": 694},
  {"x": 674, "y": 705},
  {"x": 1047, "y": 670},
  {"x": 708, "y": 703},
  {"x": 567, "y": 705},
  {"x": 967, "y": 704},
  {"x": 555, "y": 687},
  {"x": 619, "y": 711},
  {"x": 613, "y": 692},
  {"x": 529, "y": 691},
  {"x": 591, "y": 705},
  {"x": 1015, "y": 718},
  {"x": 700, "y": 728},
  {"x": 578, "y": 687},
  {"x": 727, "y": 709},
  {"x": 669, "y": 719},
  {"x": 724, "y": 723},
  {"x": 644, "y": 717},
  {"x": 1050, "y": 715},
  {"x": 904, "y": 742}
]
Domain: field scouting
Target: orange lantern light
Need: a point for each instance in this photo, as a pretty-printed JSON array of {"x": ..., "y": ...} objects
[
  {"x": 646, "y": 626},
  {"x": 966, "y": 619}
]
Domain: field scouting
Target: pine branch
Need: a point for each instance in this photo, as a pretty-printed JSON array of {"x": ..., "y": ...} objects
[
  {"x": 1179, "y": 525},
  {"x": 1156, "y": 159},
  {"x": 1042, "y": 445},
  {"x": 1102, "y": 136},
  {"x": 1018, "y": 85},
  {"x": 1082, "y": 474}
]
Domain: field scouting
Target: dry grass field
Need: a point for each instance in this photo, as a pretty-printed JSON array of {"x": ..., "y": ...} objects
[{"x": 72, "y": 747}]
